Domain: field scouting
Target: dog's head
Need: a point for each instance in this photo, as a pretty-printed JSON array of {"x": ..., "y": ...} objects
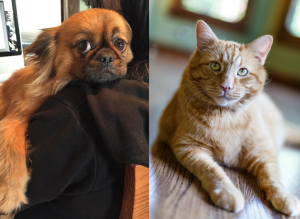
[{"x": 92, "y": 45}]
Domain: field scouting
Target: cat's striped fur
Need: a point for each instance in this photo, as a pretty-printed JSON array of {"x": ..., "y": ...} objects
[{"x": 220, "y": 117}]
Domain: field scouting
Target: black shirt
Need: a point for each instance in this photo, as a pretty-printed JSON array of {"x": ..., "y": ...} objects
[{"x": 81, "y": 140}]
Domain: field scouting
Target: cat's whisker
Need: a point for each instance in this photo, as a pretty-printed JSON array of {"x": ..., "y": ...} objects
[
  {"x": 187, "y": 107},
  {"x": 185, "y": 95},
  {"x": 199, "y": 90},
  {"x": 269, "y": 80},
  {"x": 184, "y": 64},
  {"x": 267, "y": 65}
]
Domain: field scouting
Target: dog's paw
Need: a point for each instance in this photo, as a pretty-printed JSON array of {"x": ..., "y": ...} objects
[
  {"x": 286, "y": 204},
  {"x": 12, "y": 197},
  {"x": 10, "y": 216},
  {"x": 229, "y": 198}
]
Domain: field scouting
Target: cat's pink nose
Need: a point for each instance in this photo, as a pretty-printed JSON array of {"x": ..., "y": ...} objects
[{"x": 226, "y": 88}]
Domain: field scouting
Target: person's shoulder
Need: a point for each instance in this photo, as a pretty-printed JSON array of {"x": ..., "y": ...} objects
[
  {"x": 133, "y": 87},
  {"x": 71, "y": 96},
  {"x": 78, "y": 94},
  {"x": 121, "y": 87}
]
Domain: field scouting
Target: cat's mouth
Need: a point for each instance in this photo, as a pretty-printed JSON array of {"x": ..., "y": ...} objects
[
  {"x": 225, "y": 96},
  {"x": 225, "y": 100},
  {"x": 228, "y": 96}
]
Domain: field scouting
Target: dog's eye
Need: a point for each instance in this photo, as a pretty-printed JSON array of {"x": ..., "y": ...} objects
[
  {"x": 84, "y": 46},
  {"x": 120, "y": 44}
]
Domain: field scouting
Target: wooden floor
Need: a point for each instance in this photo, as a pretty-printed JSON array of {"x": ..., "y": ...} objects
[{"x": 177, "y": 194}]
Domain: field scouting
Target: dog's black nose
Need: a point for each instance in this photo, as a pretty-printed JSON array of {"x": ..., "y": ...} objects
[{"x": 106, "y": 60}]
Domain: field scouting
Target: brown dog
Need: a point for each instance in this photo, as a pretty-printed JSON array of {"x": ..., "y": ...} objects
[{"x": 93, "y": 45}]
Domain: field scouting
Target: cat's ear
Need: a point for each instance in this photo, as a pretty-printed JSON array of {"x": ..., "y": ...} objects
[
  {"x": 205, "y": 36},
  {"x": 261, "y": 47}
]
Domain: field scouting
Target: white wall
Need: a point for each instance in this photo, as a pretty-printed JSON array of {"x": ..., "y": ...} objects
[{"x": 34, "y": 15}]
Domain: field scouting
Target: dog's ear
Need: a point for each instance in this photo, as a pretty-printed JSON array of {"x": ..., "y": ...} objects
[
  {"x": 44, "y": 45},
  {"x": 43, "y": 51}
]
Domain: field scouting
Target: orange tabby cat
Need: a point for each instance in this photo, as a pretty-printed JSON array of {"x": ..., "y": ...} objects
[{"x": 220, "y": 115}]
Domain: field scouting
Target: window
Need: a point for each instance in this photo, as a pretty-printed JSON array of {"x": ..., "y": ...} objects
[
  {"x": 34, "y": 15},
  {"x": 226, "y": 13},
  {"x": 293, "y": 18},
  {"x": 290, "y": 25},
  {"x": 231, "y": 11}
]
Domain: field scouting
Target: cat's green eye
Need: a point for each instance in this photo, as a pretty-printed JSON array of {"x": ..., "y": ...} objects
[
  {"x": 242, "y": 72},
  {"x": 215, "y": 66}
]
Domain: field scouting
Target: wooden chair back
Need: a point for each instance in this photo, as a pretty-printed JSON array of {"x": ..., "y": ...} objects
[{"x": 136, "y": 193}]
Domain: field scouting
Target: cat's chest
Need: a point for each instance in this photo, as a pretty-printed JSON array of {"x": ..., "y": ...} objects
[{"x": 225, "y": 134}]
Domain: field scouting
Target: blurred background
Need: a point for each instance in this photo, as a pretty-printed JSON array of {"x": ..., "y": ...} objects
[
  {"x": 173, "y": 39},
  {"x": 35, "y": 15}
]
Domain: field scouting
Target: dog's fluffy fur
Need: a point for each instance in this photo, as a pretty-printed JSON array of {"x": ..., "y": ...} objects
[{"x": 57, "y": 59}]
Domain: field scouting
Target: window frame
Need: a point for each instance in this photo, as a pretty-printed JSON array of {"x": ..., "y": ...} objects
[
  {"x": 68, "y": 8},
  {"x": 18, "y": 36},
  {"x": 241, "y": 26}
]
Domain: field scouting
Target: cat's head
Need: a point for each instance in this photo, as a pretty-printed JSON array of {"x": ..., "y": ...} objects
[{"x": 228, "y": 74}]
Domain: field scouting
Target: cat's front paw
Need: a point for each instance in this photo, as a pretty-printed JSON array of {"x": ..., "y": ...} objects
[
  {"x": 286, "y": 204},
  {"x": 229, "y": 198}
]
